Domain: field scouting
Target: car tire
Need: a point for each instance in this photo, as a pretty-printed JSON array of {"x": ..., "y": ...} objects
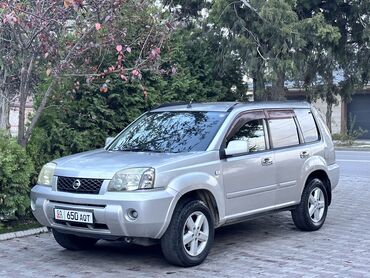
[
  {"x": 310, "y": 214},
  {"x": 73, "y": 242},
  {"x": 190, "y": 235}
]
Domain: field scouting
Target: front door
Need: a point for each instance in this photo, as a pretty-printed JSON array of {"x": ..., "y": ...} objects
[{"x": 249, "y": 178}]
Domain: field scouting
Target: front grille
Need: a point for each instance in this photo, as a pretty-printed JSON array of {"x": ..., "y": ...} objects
[
  {"x": 95, "y": 226},
  {"x": 87, "y": 186}
]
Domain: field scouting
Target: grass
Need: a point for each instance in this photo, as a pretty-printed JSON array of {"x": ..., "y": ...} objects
[{"x": 16, "y": 226}]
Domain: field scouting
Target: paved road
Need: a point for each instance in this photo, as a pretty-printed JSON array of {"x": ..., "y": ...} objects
[
  {"x": 270, "y": 246},
  {"x": 354, "y": 163}
]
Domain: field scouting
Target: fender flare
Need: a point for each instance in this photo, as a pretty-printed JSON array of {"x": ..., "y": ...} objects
[{"x": 190, "y": 182}]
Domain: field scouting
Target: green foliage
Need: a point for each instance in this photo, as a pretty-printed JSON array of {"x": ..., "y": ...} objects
[
  {"x": 80, "y": 118},
  {"x": 81, "y": 121},
  {"x": 15, "y": 170},
  {"x": 266, "y": 35},
  {"x": 339, "y": 41},
  {"x": 205, "y": 70}
]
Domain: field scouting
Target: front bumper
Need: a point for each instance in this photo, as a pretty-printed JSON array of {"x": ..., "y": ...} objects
[{"x": 110, "y": 210}]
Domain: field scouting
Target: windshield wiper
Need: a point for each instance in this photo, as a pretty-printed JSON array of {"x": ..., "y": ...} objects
[{"x": 140, "y": 150}]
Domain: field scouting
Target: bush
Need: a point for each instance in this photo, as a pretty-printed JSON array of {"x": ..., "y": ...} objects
[
  {"x": 352, "y": 134},
  {"x": 15, "y": 170}
]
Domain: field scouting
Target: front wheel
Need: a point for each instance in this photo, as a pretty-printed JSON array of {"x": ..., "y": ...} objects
[
  {"x": 190, "y": 234},
  {"x": 310, "y": 214},
  {"x": 72, "y": 242}
]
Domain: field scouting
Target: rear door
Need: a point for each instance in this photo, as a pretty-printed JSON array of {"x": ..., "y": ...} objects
[{"x": 290, "y": 155}]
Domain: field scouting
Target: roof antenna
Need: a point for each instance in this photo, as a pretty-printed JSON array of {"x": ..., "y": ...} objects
[{"x": 189, "y": 105}]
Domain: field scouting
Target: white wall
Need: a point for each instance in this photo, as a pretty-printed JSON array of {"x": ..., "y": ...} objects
[
  {"x": 336, "y": 119},
  {"x": 14, "y": 113}
]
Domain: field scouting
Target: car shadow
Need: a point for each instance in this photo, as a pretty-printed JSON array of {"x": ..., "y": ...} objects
[{"x": 252, "y": 231}]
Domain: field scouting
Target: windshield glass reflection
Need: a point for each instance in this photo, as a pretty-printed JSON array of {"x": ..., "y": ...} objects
[{"x": 170, "y": 132}]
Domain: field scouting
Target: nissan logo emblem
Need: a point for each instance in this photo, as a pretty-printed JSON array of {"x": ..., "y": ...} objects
[{"x": 76, "y": 184}]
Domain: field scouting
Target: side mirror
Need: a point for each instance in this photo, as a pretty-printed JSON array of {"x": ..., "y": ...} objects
[
  {"x": 108, "y": 141},
  {"x": 236, "y": 147}
]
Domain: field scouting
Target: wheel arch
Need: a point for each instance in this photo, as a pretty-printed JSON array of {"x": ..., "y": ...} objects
[
  {"x": 323, "y": 176},
  {"x": 202, "y": 194},
  {"x": 207, "y": 197}
]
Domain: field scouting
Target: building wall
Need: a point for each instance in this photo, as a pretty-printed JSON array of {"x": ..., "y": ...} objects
[
  {"x": 336, "y": 119},
  {"x": 14, "y": 113}
]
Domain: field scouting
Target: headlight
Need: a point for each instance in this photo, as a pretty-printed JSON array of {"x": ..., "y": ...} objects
[
  {"x": 46, "y": 174},
  {"x": 132, "y": 179}
]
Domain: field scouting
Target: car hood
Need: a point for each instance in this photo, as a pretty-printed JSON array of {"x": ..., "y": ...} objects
[{"x": 104, "y": 164}]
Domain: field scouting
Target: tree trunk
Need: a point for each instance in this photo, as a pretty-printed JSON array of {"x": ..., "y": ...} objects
[
  {"x": 4, "y": 103},
  {"x": 39, "y": 110},
  {"x": 259, "y": 91},
  {"x": 23, "y": 95},
  {"x": 278, "y": 88},
  {"x": 22, "y": 103},
  {"x": 329, "y": 112}
]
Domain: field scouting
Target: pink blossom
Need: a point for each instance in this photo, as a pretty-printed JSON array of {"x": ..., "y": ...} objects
[
  {"x": 119, "y": 48},
  {"x": 136, "y": 72},
  {"x": 154, "y": 54}
]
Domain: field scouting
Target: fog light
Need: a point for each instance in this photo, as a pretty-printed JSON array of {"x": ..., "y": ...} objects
[{"x": 132, "y": 214}]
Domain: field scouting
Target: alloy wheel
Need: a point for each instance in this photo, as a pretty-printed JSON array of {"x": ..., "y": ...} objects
[
  {"x": 195, "y": 233},
  {"x": 316, "y": 204}
]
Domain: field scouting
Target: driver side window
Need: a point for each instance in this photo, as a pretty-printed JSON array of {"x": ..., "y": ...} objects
[{"x": 252, "y": 132}]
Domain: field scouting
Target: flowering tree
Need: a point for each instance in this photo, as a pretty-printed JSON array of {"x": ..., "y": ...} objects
[{"x": 45, "y": 41}]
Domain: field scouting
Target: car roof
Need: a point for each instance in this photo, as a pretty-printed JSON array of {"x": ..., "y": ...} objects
[{"x": 229, "y": 106}]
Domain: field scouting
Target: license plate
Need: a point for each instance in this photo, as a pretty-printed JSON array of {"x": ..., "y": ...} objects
[{"x": 74, "y": 216}]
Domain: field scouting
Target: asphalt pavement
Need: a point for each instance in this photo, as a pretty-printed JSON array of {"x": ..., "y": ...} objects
[
  {"x": 269, "y": 246},
  {"x": 354, "y": 163}
]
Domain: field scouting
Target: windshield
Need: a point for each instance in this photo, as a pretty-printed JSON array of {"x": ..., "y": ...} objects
[{"x": 170, "y": 132}]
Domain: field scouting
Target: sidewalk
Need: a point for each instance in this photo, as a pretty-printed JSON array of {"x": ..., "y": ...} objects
[
  {"x": 23, "y": 233},
  {"x": 358, "y": 145}
]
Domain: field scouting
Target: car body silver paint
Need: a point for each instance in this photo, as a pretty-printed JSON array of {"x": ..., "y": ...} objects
[{"x": 241, "y": 186}]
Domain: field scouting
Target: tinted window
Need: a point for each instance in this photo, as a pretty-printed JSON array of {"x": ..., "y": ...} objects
[
  {"x": 283, "y": 132},
  {"x": 170, "y": 132},
  {"x": 252, "y": 132},
  {"x": 307, "y": 124}
]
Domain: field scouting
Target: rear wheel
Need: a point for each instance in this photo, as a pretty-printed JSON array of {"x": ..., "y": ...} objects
[
  {"x": 190, "y": 234},
  {"x": 310, "y": 214},
  {"x": 72, "y": 242}
]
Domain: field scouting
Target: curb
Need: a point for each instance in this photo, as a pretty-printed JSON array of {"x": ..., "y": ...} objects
[
  {"x": 347, "y": 148},
  {"x": 24, "y": 233}
]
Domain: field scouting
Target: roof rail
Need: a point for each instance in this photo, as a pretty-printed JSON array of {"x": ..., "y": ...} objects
[
  {"x": 170, "y": 104},
  {"x": 232, "y": 107}
]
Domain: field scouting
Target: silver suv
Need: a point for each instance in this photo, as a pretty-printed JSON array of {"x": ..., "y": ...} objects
[{"x": 180, "y": 171}]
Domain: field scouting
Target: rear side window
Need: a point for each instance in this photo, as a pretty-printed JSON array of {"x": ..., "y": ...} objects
[
  {"x": 283, "y": 132},
  {"x": 307, "y": 124}
]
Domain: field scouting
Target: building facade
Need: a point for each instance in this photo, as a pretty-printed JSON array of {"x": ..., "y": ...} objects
[{"x": 14, "y": 113}]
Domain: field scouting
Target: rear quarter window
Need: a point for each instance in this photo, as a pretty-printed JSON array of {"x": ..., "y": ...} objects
[{"x": 307, "y": 124}]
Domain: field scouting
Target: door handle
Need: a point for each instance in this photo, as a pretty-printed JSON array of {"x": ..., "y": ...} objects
[
  {"x": 304, "y": 154},
  {"x": 266, "y": 161}
]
